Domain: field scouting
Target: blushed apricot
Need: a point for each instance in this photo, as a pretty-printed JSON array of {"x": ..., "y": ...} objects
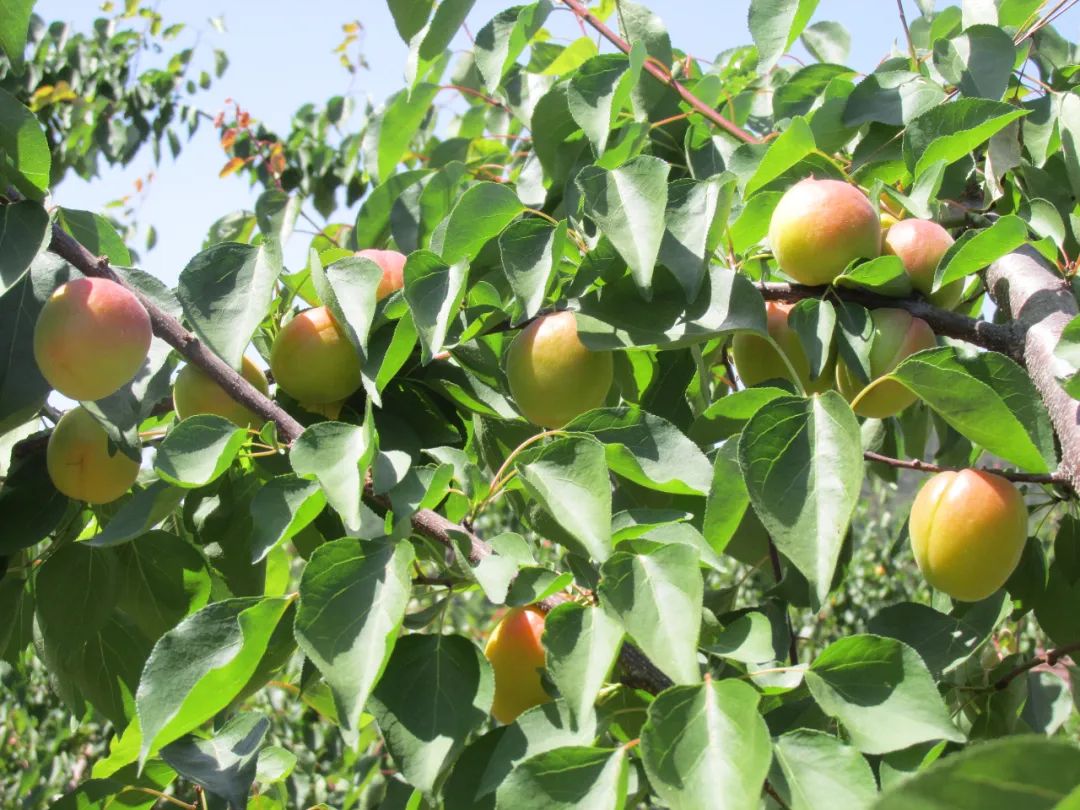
[
  {"x": 517, "y": 656},
  {"x": 392, "y": 263},
  {"x": 91, "y": 338},
  {"x": 313, "y": 360},
  {"x": 757, "y": 360},
  {"x": 920, "y": 244}
]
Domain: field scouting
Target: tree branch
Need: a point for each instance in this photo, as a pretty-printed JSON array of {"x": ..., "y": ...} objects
[
  {"x": 1049, "y": 658},
  {"x": 1004, "y": 338},
  {"x": 1041, "y": 303},
  {"x": 923, "y": 466},
  {"x": 639, "y": 670},
  {"x": 662, "y": 75}
]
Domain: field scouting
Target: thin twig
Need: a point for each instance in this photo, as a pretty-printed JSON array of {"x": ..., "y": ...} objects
[
  {"x": 907, "y": 33},
  {"x": 924, "y": 466},
  {"x": 1049, "y": 658},
  {"x": 661, "y": 74}
]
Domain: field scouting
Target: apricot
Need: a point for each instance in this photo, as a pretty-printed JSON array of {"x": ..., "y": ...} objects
[
  {"x": 757, "y": 360},
  {"x": 820, "y": 226},
  {"x": 920, "y": 244},
  {"x": 80, "y": 464},
  {"x": 313, "y": 359},
  {"x": 392, "y": 264},
  {"x": 91, "y": 337},
  {"x": 196, "y": 392},
  {"x": 968, "y": 530},
  {"x": 517, "y": 656},
  {"x": 553, "y": 376},
  {"x": 897, "y": 335}
]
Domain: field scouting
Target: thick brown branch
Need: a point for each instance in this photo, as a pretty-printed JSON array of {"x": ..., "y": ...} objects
[
  {"x": 1049, "y": 658},
  {"x": 662, "y": 75},
  {"x": 1041, "y": 304},
  {"x": 1004, "y": 338},
  {"x": 926, "y": 467}
]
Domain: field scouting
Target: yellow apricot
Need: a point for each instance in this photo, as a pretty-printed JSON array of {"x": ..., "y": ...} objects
[
  {"x": 79, "y": 462},
  {"x": 196, "y": 392},
  {"x": 757, "y": 360},
  {"x": 553, "y": 377},
  {"x": 517, "y": 656},
  {"x": 313, "y": 359},
  {"x": 968, "y": 530},
  {"x": 819, "y": 227}
]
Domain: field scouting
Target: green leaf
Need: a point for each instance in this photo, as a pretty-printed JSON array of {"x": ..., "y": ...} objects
[
  {"x": 707, "y": 746},
  {"x": 751, "y": 638},
  {"x": 775, "y": 25},
  {"x": 891, "y": 97},
  {"x": 32, "y": 507},
  {"x": 225, "y": 763},
  {"x": 76, "y": 591},
  {"x": 979, "y": 61},
  {"x": 160, "y": 580},
  {"x": 337, "y": 455},
  {"x": 599, "y": 91},
  {"x": 373, "y": 219},
  {"x": 348, "y": 288},
  {"x": 530, "y": 250},
  {"x": 727, "y": 416},
  {"x": 1020, "y": 771},
  {"x": 96, "y": 234},
  {"x": 628, "y": 205},
  {"x": 436, "y": 690},
  {"x": 647, "y": 450},
  {"x": 803, "y": 465},
  {"x": 728, "y": 499},
  {"x": 814, "y": 321},
  {"x": 482, "y": 213},
  {"x": 616, "y": 316},
  {"x": 828, "y": 42},
  {"x": 1068, "y": 122},
  {"x": 582, "y": 645},
  {"x": 200, "y": 666},
  {"x": 138, "y": 513},
  {"x": 226, "y": 292},
  {"x": 24, "y": 227},
  {"x": 794, "y": 143},
  {"x": 885, "y": 275},
  {"x": 976, "y": 250},
  {"x": 198, "y": 450},
  {"x": 501, "y": 41},
  {"x": 392, "y": 129},
  {"x": 14, "y": 23},
  {"x": 281, "y": 508},
  {"x": 949, "y": 132},
  {"x": 943, "y": 641},
  {"x": 353, "y": 595},
  {"x": 657, "y": 597},
  {"x": 988, "y": 399},
  {"x": 820, "y": 772},
  {"x": 882, "y": 692},
  {"x": 23, "y": 141},
  {"x": 566, "y": 778},
  {"x": 429, "y": 43},
  {"x": 568, "y": 478},
  {"x": 694, "y": 210},
  {"x": 434, "y": 290},
  {"x": 410, "y": 15}
]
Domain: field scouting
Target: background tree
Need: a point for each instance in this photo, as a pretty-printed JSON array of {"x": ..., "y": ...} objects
[{"x": 691, "y": 593}]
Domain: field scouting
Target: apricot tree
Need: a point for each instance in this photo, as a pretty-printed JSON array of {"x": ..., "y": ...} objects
[{"x": 574, "y": 411}]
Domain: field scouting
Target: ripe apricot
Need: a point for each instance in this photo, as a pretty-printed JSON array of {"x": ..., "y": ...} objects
[
  {"x": 968, "y": 530},
  {"x": 79, "y": 462},
  {"x": 553, "y": 376},
  {"x": 91, "y": 338},
  {"x": 517, "y": 656},
  {"x": 757, "y": 360},
  {"x": 392, "y": 264},
  {"x": 196, "y": 392},
  {"x": 313, "y": 359},
  {"x": 897, "y": 334},
  {"x": 819, "y": 227},
  {"x": 920, "y": 244}
]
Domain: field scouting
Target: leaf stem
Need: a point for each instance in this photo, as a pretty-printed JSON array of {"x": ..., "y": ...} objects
[{"x": 162, "y": 796}]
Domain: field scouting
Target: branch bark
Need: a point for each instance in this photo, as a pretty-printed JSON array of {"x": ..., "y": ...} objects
[
  {"x": 1049, "y": 658},
  {"x": 1041, "y": 304},
  {"x": 923, "y": 466},
  {"x": 1004, "y": 338},
  {"x": 638, "y": 669},
  {"x": 582, "y": 13}
]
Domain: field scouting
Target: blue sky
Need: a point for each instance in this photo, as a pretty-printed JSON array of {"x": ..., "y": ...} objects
[{"x": 281, "y": 58}]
